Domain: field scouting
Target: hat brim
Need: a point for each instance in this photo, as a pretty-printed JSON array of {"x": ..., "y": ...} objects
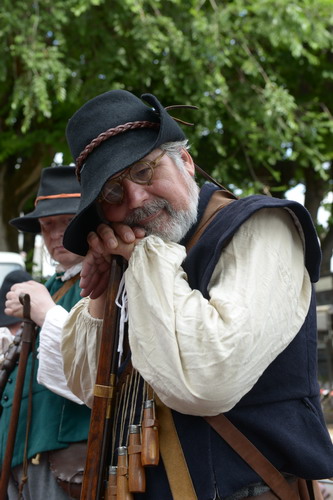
[
  {"x": 45, "y": 208},
  {"x": 75, "y": 237},
  {"x": 87, "y": 218},
  {"x": 16, "y": 276},
  {"x": 8, "y": 320}
]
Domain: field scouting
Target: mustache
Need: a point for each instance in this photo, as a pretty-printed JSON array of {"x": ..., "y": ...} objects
[{"x": 146, "y": 211}]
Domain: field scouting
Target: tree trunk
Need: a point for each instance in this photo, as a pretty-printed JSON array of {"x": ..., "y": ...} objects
[
  {"x": 18, "y": 183},
  {"x": 316, "y": 190}
]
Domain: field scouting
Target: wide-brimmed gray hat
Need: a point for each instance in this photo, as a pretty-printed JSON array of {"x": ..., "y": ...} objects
[
  {"x": 10, "y": 280},
  {"x": 58, "y": 194},
  {"x": 106, "y": 135}
]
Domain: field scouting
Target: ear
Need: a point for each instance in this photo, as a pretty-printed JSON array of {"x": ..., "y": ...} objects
[{"x": 188, "y": 162}]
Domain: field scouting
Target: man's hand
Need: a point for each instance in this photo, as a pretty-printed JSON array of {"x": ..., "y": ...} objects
[
  {"x": 117, "y": 239},
  {"x": 40, "y": 301}
]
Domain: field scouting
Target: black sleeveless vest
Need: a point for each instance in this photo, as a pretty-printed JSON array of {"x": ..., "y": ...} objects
[{"x": 281, "y": 414}]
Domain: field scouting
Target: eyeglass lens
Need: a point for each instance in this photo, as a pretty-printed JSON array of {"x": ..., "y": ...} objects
[{"x": 140, "y": 173}]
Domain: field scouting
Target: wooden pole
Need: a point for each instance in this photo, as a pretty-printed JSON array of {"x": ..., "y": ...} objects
[
  {"x": 28, "y": 336},
  {"x": 95, "y": 473}
]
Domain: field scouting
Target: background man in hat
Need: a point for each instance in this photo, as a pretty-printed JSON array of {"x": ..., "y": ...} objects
[
  {"x": 220, "y": 299},
  {"x": 9, "y": 325},
  {"x": 56, "y": 422}
]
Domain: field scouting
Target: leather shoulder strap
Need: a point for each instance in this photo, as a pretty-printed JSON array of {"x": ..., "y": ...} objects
[
  {"x": 65, "y": 287},
  {"x": 252, "y": 456},
  {"x": 179, "y": 478},
  {"x": 218, "y": 200}
]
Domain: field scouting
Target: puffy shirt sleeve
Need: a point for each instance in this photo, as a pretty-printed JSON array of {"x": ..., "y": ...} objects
[
  {"x": 80, "y": 347},
  {"x": 201, "y": 356},
  {"x": 50, "y": 367}
]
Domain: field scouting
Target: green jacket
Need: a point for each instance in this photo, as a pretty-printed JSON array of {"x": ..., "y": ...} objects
[{"x": 56, "y": 422}]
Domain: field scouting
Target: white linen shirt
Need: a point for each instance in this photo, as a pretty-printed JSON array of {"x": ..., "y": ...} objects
[
  {"x": 6, "y": 338},
  {"x": 50, "y": 363},
  {"x": 201, "y": 356},
  {"x": 50, "y": 367}
]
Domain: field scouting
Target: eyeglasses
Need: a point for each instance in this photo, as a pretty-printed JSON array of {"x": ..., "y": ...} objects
[{"x": 141, "y": 173}]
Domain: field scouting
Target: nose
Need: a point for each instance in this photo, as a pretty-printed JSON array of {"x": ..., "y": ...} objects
[
  {"x": 58, "y": 230},
  {"x": 135, "y": 195}
]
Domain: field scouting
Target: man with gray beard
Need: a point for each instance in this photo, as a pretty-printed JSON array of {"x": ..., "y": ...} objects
[
  {"x": 220, "y": 305},
  {"x": 179, "y": 221}
]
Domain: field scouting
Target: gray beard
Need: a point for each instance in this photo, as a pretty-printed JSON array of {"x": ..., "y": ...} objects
[{"x": 175, "y": 226}]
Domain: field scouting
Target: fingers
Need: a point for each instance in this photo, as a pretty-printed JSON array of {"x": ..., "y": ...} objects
[
  {"x": 125, "y": 233},
  {"x": 13, "y": 306},
  {"x": 115, "y": 236},
  {"x": 102, "y": 241},
  {"x": 118, "y": 239},
  {"x": 139, "y": 232},
  {"x": 118, "y": 233},
  {"x": 100, "y": 288},
  {"x": 33, "y": 288},
  {"x": 40, "y": 300},
  {"x": 95, "y": 285},
  {"x": 95, "y": 271},
  {"x": 94, "y": 278}
]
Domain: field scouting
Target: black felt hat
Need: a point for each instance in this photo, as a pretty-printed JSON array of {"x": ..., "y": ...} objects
[
  {"x": 10, "y": 280},
  {"x": 58, "y": 194},
  {"x": 106, "y": 135}
]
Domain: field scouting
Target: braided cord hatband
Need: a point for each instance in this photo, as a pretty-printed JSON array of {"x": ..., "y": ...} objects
[{"x": 105, "y": 135}]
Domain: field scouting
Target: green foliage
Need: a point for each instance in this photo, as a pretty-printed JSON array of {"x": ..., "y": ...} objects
[{"x": 260, "y": 73}]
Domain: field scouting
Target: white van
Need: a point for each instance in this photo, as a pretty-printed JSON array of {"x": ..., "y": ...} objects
[{"x": 10, "y": 261}]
